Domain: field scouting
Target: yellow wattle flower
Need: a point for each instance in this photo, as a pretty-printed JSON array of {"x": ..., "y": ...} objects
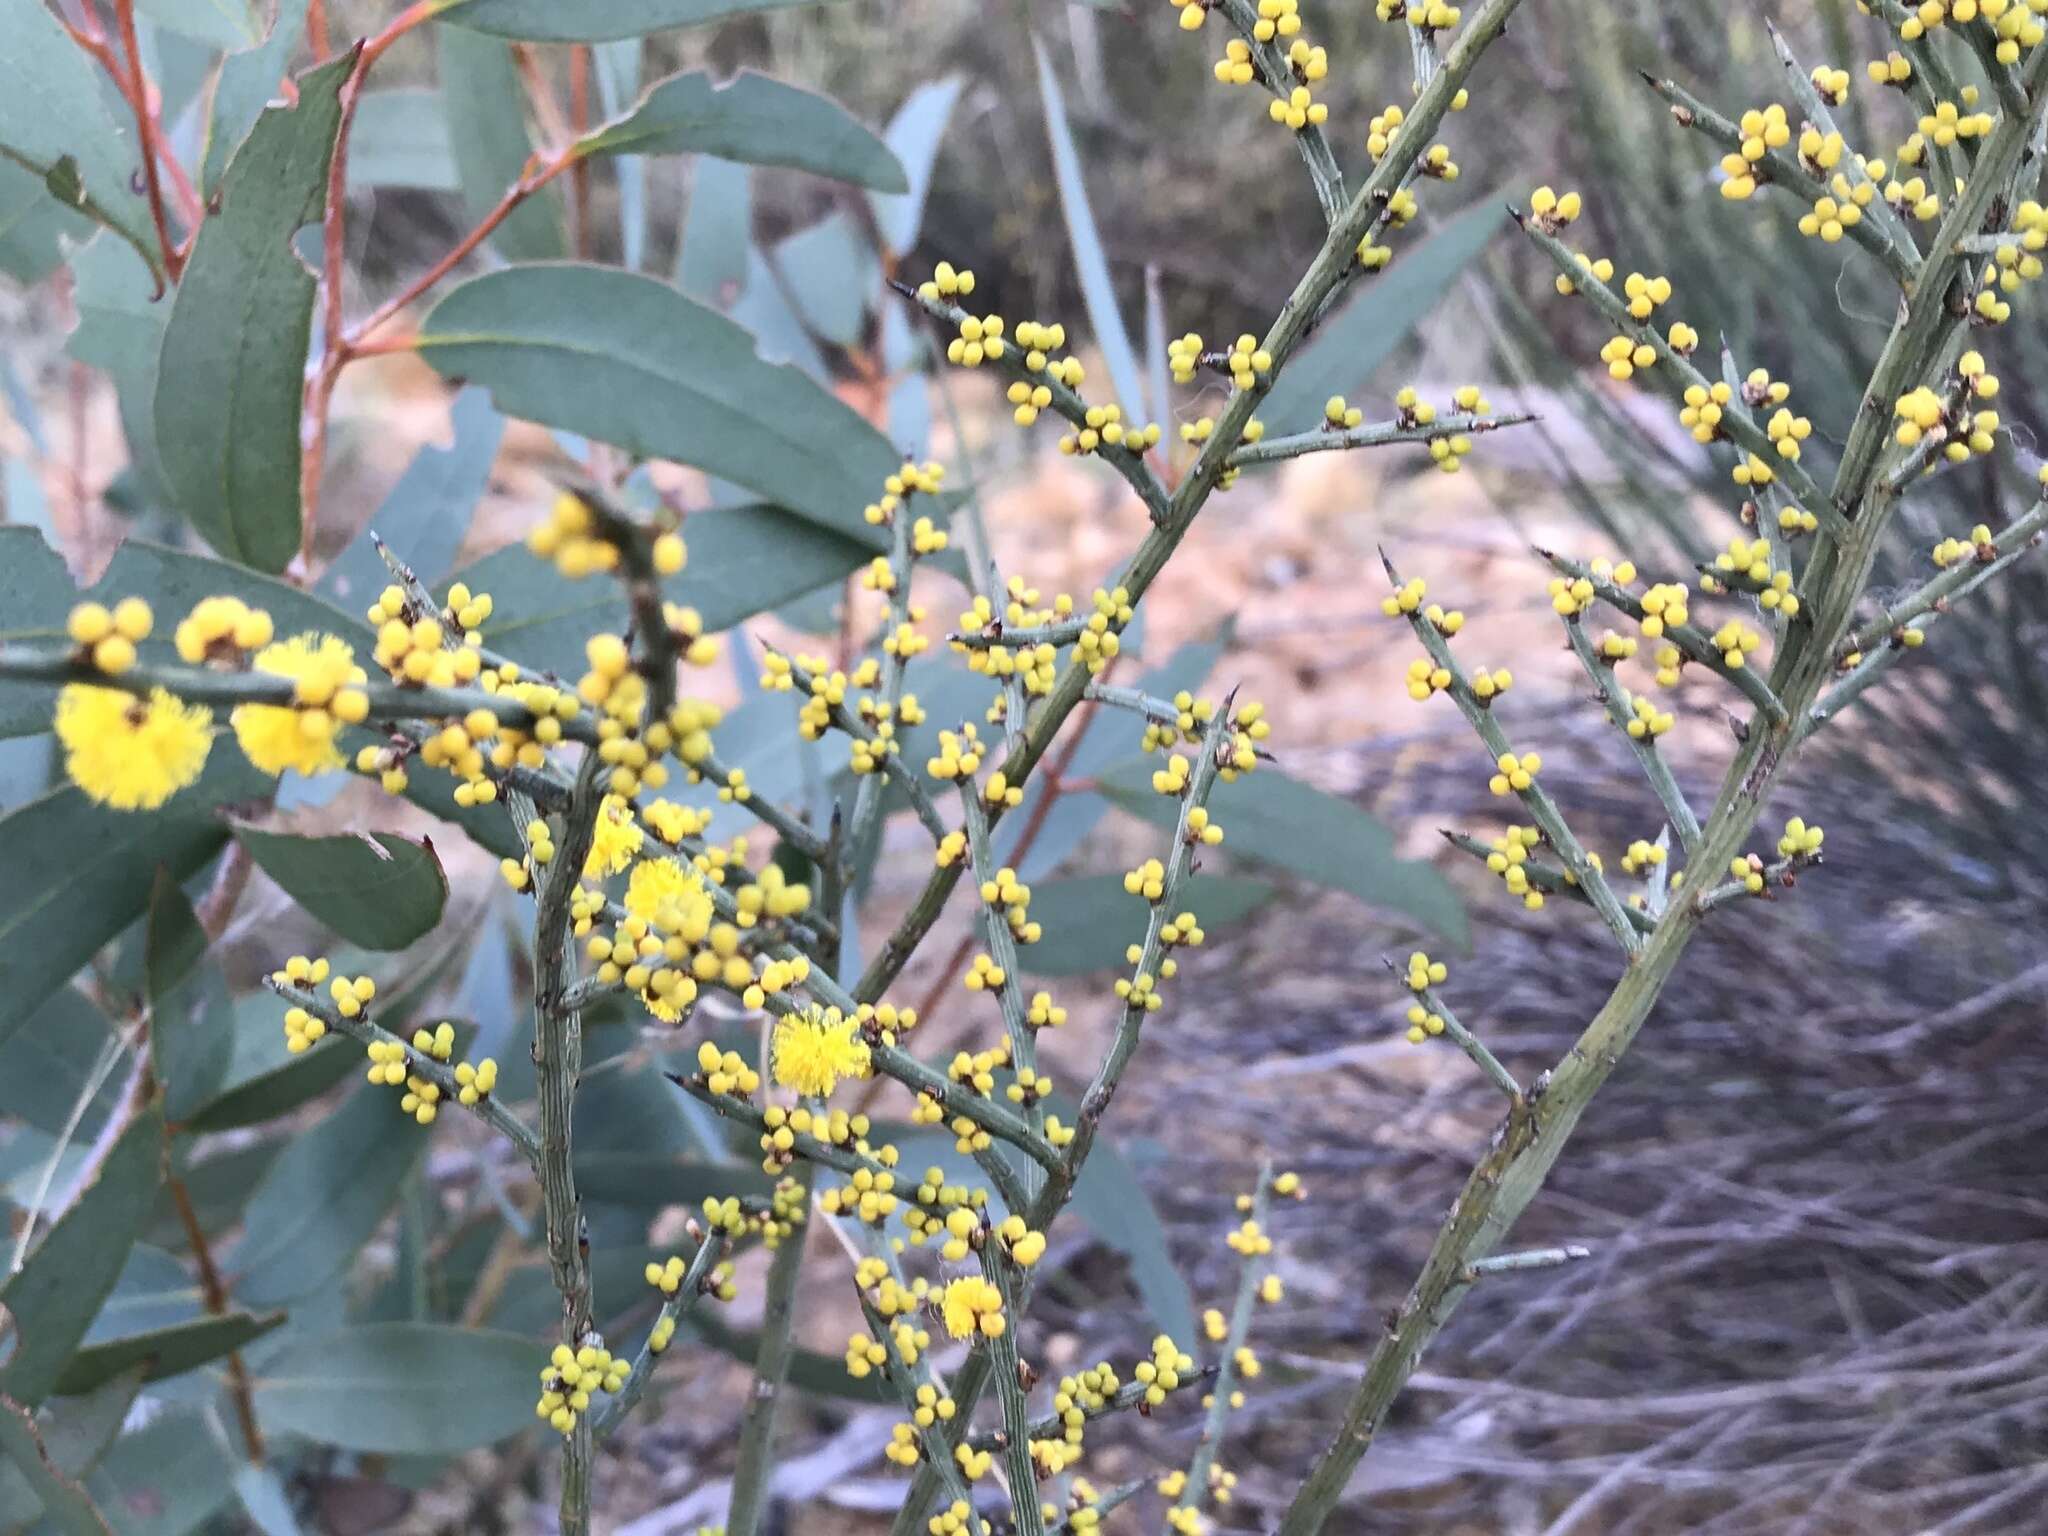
[
  {"x": 130, "y": 753},
  {"x": 615, "y": 838},
  {"x": 276, "y": 737},
  {"x": 813, "y": 1050}
]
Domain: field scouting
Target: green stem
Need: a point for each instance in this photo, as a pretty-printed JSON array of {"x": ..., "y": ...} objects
[
  {"x": 1334, "y": 267},
  {"x": 1377, "y": 434},
  {"x": 1239, "y": 1324},
  {"x": 1620, "y": 709},
  {"x": 558, "y": 1063},
  {"x": 756, "y": 1463}
]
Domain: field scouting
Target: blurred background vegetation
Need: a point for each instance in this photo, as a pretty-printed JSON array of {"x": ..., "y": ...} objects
[{"x": 1816, "y": 1304}]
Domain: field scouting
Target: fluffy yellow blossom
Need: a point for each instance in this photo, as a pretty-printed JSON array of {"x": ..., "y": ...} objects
[
  {"x": 813, "y": 1050},
  {"x": 132, "y": 754},
  {"x": 328, "y": 696}
]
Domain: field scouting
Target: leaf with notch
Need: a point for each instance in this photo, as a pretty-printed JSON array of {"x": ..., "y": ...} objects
[
  {"x": 74, "y": 1437},
  {"x": 631, "y": 361},
  {"x": 375, "y": 889},
  {"x": 234, "y": 353}
]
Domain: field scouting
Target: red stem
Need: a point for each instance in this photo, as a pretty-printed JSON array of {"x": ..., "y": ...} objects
[
  {"x": 579, "y": 123},
  {"x": 137, "y": 91},
  {"x": 531, "y": 182}
]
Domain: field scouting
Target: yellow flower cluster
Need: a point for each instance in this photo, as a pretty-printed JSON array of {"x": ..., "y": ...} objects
[
  {"x": 1553, "y": 212},
  {"x": 570, "y": 539},
  {"x": 221, "y": 629},
  {"x": 1515, "y": 773},
  {"x": 1978, "y": 546},
  {"x": 108, "y": 639},
  {"x": 1800, "y": 841},
  {"x": 1763, "y": 130},
  {"x": 972, "y": 1307},
  {"x": 813, "y": 1049},
  {"x": 131, "y": 753},
  {"x": 1509, "y": 859},
  {"x": 570, "y": 1377},
  {"x": 908, "y": 481},
  {"x": 327, "y": 694}
]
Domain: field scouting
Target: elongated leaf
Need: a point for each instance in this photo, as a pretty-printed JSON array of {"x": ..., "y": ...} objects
[
  {"x": 36, "y": 594},
  {"x": 423, "y": 519},
  {"x": 1292, "y": 827},
  {"x": 57, "y": 121},
  {"x": 375, "y": 889},
  {"x": 265, "y": 1501},
  {"x": 167, "y": 1477},
  {"x": 74, "y": 1436},
  {"x": 219, "y": 1187},
  {"x": 402, "y": 1388},
  {"x": 1115, "y": 1207},
  {"x": 401, "y": 139},
  {"x": 743, "y": 561},
  {"x": 120, "y": 331},
  {"x": 94, "y": 872},
  {"x": 264, "y": 1081},
  {"x": 234, "y": 355},
  {"x": 164, "y": 1352},
  {"x": 597, "y": 21},
  {"x": 191, "y": 1027},
  {"x": 628, "y": 360},
  {"x": 323, "y": 1197},
  {"x": 227, "y": 24},
  {"x": 830, "y": 272},
  {"x": 711, "y": 266},
  {"x": 1349, "y": 345},
  {"x": 33, "y": 226},
  {"x": 247, "y": 81},
  {"x": 1091, "y": 920},
  {"x": 1091, "y": 266},
  {"x": 819, "y": 1374},
  {"x": 637, "y": 1179},
  {"x": 51, "y": 1061},
  {"x": 68, "y": 1506},
  {"x": 752, "y": 119},
  {"x": 71, "y": 1272},
  {"x": 153, "y": 1291},
  {"x": 482, "y": 101},
  {"x": 914, "y": 135}
]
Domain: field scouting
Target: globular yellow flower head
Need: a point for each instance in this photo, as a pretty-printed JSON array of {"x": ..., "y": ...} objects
[
  {"x": 615, "y": 838},
  {"x": 328, "y": 695},
  {"x": 132, "y": 754},
  {"x": 971, "y": 1306},
  {"x": 813, "y": 1050},
  {"x": 670, "y": 896}
]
